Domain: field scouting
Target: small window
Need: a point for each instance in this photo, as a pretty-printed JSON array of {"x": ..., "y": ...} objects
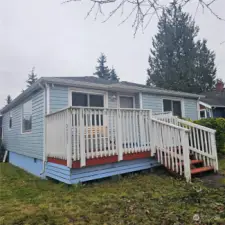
[
  {"x": 202, "y": 113},
  {"x": 173, "y": 106},
  {"x": 167, "y": 105},
  {"x": 10, "y": 120},
  {"x": 27, "y": 117}
]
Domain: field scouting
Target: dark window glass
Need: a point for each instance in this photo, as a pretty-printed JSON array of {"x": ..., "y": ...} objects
[
  {"x": 27, "y": 116},
  {"x": 10, "y": 122},
  {"x": 177, "y": 108},
  {"x": 202, "y": 114},
  {"x": 96, "y": 101},
  {"x": 167, "y": 105},
  {"x": 79, "y": 99}
]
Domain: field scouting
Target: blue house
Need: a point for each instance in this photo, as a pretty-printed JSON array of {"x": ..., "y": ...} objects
[
  {"x": 213, "y": 103},
  {"x": 75, "y": 129}
]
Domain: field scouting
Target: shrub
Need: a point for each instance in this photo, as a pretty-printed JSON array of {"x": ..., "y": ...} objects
[{"x": 217, "y": 124}]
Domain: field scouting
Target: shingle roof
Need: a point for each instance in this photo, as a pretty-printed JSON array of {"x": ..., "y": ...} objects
[
  {"x": 214, "y": 98},
  {"x": 89, "y": 79}
]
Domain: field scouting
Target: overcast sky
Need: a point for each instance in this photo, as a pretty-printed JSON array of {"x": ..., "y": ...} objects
[{"x": 58, "y": 41}]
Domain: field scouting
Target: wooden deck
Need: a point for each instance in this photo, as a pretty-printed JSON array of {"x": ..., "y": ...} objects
[{"x": 80, "y": 138}]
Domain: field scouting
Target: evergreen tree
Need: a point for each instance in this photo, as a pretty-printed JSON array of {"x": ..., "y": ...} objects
[
  {"x": 32, "y": 78},
  {"x": 176, "y": 60},
  {"x": 113, "y": 75},
  {"x": 102, "y": 71},
  {"x": 8, "y": 99}
]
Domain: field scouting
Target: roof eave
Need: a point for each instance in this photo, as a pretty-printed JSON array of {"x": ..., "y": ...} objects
[
  {"x": 22, "y": 96},
  {"x": 120, "y": 87}
]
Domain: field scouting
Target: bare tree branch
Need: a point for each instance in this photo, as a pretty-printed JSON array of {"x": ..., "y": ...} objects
[{"x": 141, "y": 11}]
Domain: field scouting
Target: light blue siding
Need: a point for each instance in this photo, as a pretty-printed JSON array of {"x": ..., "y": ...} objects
[
  {"x": 27, "y": 163},
  {"x": 29, "y": 144},
  {"x": 112, "y": 102},
  {"x": 191, "y": 110},
  {"x": 58, "y": 98},
  {"x": 73, "y": 176},
  {"x": 155, "y": 102}
]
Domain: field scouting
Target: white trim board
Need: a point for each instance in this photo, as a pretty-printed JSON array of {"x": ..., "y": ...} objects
[{"x": 205, "y": 104}]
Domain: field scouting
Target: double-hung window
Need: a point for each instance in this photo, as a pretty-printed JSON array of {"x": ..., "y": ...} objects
[
  {"x": 172, "y": 105},
  {"x": 27, "y": 117}
]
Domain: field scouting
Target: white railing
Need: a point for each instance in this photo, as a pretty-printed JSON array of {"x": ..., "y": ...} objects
[
  {"x": 202, "y": 143},
  {"x": 86, "y": 133},
  {"x": 56, "y": 134},
  {"x": 201, "y": 140},
  {"x": 171, "y": 145}
]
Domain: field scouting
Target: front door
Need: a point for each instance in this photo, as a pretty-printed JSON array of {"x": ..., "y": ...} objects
[{"x": 126, "y": 102}]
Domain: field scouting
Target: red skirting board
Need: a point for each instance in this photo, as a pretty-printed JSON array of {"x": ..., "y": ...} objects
[{"x": 102, "y": 160}]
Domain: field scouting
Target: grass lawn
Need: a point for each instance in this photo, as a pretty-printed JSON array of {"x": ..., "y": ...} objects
[{"x": 134, "y": 199}]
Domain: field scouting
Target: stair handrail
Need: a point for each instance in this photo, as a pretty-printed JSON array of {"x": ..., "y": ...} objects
[{"x": 169, "y": 133}]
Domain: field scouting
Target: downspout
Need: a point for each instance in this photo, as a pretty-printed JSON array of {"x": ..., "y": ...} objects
[{"x": 46, "y": 111}]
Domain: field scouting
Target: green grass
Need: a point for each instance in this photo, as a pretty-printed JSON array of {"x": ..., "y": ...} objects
[{"x": 135, "y": 199}]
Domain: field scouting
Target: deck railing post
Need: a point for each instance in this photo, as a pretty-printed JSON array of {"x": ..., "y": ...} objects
[
  {"x": 119, "y": 135},
  {"x": 69, "y": 137},
  {"x": 152, "y": 135},
  {"x": 186, "y": 155},
  {"x": 82, "y": 139},
  {"x": 214, "y": 152}
]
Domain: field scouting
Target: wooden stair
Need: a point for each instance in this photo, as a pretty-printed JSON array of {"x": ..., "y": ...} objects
[
  {"x": 201, "y": 170},
  {"x": 197, "y": 166}
]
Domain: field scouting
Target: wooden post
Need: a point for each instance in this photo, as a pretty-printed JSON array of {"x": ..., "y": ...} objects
[
  {"x": 214, "y": 152},
  {"x": 82, "y": 140},
  {"x": 119, "y": 136},
  {"x": 152, "y": 135},
  {"x": 186, "y": 155},
  {"x": 69, "y": 137}
]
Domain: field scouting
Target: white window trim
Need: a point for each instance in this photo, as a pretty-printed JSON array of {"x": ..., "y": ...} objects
[
  {"x": 10, "y": 115},
  {"x": 89, "y": 92},
  {"x": 128, "y": 96},
  {"x": 26, "y": 132},
  {"x": 175, "y": 99},
  {"x": 205, "y": 113}
]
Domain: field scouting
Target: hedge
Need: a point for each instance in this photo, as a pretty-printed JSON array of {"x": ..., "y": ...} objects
[{"x": 217, "y": 124}]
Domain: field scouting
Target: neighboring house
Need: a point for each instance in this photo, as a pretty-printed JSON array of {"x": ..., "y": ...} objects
[
  {"x": 213, "y": 104},
  {"x": 75, "y": 129}
]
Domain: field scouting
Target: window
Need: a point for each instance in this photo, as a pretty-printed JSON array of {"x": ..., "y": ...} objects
[
  {"x": 172, "y": 105},
  {"x": 27, "y": 117},
  {"x": 126, "y": 102},
  {"x": 10, "y": 120},
  {"x": 79, "y": 99},
  {"x": 87, "y": 100},
  {"x": 202, "y": 113}
]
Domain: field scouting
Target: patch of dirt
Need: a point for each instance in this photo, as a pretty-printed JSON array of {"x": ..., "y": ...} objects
[{"x": 214, "y": 180}]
